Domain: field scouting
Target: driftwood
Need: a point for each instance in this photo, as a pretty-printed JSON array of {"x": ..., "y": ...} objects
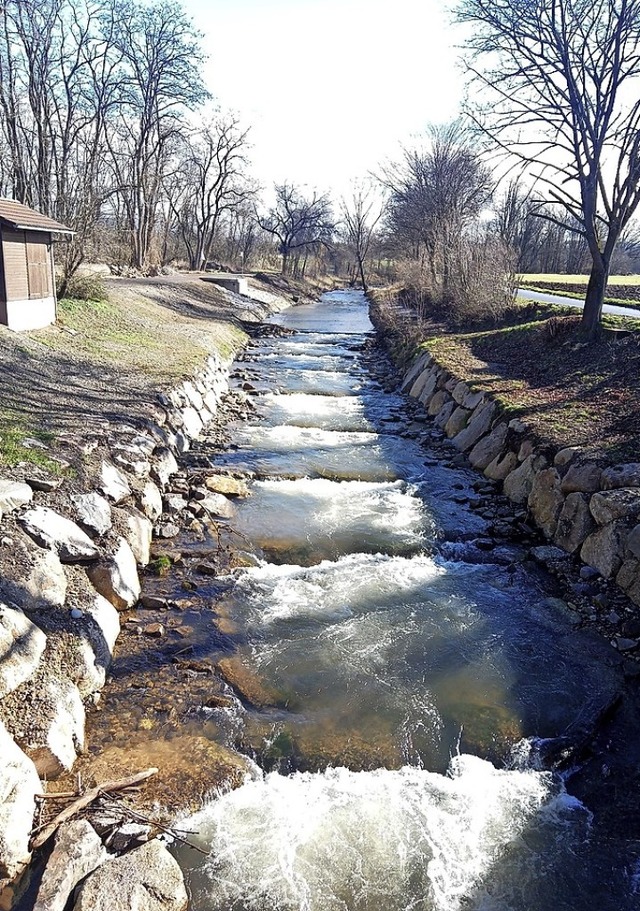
[{"x": 84, "y": 800}]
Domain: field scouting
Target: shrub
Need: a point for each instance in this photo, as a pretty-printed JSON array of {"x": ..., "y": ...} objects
[{"x": 84, "y": 287}]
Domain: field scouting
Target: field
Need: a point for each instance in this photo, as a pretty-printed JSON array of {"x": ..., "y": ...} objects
[{"x": 531, "y": 277}]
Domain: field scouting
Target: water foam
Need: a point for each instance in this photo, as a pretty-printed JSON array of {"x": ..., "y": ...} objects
[{"x": 378, "y": 841}]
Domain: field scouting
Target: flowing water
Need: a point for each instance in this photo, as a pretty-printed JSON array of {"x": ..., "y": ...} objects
[{"x": 405, "y": 683}]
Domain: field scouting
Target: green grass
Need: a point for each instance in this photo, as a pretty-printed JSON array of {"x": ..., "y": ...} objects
[
  {"x": 577, "y": 279},
  {"x": 13, "y": 449}
]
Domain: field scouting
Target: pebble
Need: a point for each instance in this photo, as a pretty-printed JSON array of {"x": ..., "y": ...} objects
[
  {"x": 76, "y": 613},
  {"x": 623, "y": 644}
]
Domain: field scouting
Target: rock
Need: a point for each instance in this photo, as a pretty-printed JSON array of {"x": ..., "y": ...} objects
[
  {"x": 518, "y": 484},
  {"x": 603, "y": 549},
  {"x": 546, "y": 500},
  {"x": 46, "y": 583},
  {"x": 547, "y": 554},
  {"x": 460, "y": 391},
  {"x": 445, "y": 413},
  {"x": 183, "y": 443},
  {"x": 113, "y": 483},
  {"x": 217, "y": 505},
  {"x": 565, "y": 456},
  {"x": 527, "y": 448},
  {"x": 21, "y": 646},
  {"x": 437, "y": 402},
  {"x": 153, "y": 602},
  {"x": 94, "y": 512},
  {"x": 50, "y": 529},
  {"x": 128, "y": 836},
  {"x": 19, "y": 784},
  {"x": 192, "y": 424},
  {"x": 457, "y": 421},
  {"x": 192, "y": 394},
  {"x": 633, "y": 542},
  {"x": 610, "y": 505},
  {"x": 429, "y": 389},
  {"x": 53, "y": 735},
  {"x": 628, "y": 579},
  {"x": 154, "y": 629},
  {"x": 116, "y": 578},
  {"x": 96, "y": 641},
  {"x": 77, "y": 852},
  {"x": 164, "y": 466},
  {"x": 44, "y": 485},
  {"x": 582, "y": 477},
  {"x": 140, "y": 531},
  {"x": 478, "y": 426},
  {"x": 230, "y": 487},
  {"x": 472, "y": 400},
  {"x": 145, "y": 879},
  {"x": 131, "y": 459},
  {"x": 625, "y": 645},
  {"x": 14, "y": 495},
  {"x": 621, "y": 476},
  {"x": 151, "y": 501},
  {"x": 517, "y": 426},
  {"x": 502, "y": 465},
  {"x": 427, "y": 377},
  {"x": 420, "y": 364},
  {"x": 173, "y": 502},
  {"x": 168, "y": 530},
  {"x": 489, "y": 448},
  {"x": 574, "y": 523}
]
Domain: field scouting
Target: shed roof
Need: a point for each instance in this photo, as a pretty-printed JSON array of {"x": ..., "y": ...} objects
[{"x": 21, "y": 217}]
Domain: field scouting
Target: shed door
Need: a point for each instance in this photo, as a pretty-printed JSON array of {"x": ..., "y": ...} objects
[
  {"x": 38, "y": 265},
  {"x": 15, "y": 265}
]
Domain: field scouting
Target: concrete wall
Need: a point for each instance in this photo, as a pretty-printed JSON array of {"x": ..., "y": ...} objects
[
  {"x": 237, "y": 285},
  {"x": 31, "y": 314}
]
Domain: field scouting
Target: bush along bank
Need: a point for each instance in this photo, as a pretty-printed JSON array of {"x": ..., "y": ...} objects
[
  {"x": 587, "y": 510},
  {"x": 71, "y": 562}
]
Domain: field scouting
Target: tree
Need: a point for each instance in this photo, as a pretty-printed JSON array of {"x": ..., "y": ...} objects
[
  {"x": 298, "y": 222},
  {"x": 560, "y": 80},
  {"x": 435, "y": 196},
  {"x": 161, "y": 80},
  {"x": 361, "y": 215},
  {"x": 213, "y": 166}
]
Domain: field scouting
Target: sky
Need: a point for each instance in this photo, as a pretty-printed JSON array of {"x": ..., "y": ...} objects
[{"x": 330, "y": 88}]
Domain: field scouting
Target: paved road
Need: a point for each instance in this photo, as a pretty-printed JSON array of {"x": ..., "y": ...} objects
[{"x": 526, "y": 294}]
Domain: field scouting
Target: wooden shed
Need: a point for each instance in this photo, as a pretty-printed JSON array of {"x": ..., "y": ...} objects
[{"x": 27, "y": 279}]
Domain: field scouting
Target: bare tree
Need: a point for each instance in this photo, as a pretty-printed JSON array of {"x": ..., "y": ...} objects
[
  {"x": 361, "y": 214},
  {"x": 298, "y": 222},
  {"x": 162, "y": 80},
  {"x": 560, "y": 78},
  {"x": 435, "y": 196},
  {"x": 213, "y": 164}
]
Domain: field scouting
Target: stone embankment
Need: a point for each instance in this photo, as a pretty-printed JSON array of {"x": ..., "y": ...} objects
[
  {"x": 582, "y": 507},
  {"x": 76, "y": 557}
]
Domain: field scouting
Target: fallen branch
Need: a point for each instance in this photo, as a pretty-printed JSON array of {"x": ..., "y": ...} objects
[{"x": 87, "y": 798}]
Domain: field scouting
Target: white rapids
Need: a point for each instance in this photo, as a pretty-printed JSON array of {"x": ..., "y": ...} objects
[{"x": 379, "y": 841}]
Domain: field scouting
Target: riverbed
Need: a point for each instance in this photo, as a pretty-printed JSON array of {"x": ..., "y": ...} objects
[{"x": 404, "y": 677}]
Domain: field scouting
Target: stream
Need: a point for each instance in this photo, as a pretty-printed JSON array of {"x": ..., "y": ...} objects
[{"x": 405, "y": 678}]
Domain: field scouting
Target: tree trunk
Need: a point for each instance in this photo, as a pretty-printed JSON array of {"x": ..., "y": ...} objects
[
  {"x": 285, "y": 262},
  {"x": 592, "y": 313},
  {"x": 362, "y": 277}
]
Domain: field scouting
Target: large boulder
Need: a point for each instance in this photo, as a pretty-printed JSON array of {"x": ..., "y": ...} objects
[
  {"x": 151, "y": 501},
  {"x": 610, "y": 505},
  {"x": 113, "y": 483},
  {"x": 50, "y": 529},
  {"x": 191, "y": 422},
  {"x": 21, "y": 646},
  {"x": 13, "y": 495},
  {"x": 574, "y": 523},
  {"x": 518, "y": 484},
  {"x": 457, "y": 421},
  {"x": 421, "y": 363},
  {"x": 139, "y": 534},
  {"x": 502, "y": 465},
  {"x": 163, "y": 466},
  {"x": 19, "y": 784},
  {"x": 439, "y": 399},
  {"x": 621, "y": 476},
  {"x": 52, "y": 733},
  {"x": 445, "y": 413},
  {"x": 146, "y": 879},
  {"x": 94, "y": 512},
  {"x": 217, "y": 505},
  {"x": 230, "y": 487},
  {"x": 628, "y": 579},
  {"x": 478, "y": 426},
  {"x": 546, "y": 500},
  {"x": 581, "y": 477},
  {"x": 489, "y": 448},
  {"x": 35, "y": 578},
  {"x": 604, "y": 548},
  {"x": 77, "y": 852},
  {"x": 116, "y": 577}
]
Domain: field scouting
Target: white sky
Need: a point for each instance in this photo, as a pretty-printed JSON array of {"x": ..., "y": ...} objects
[{"x": 329, "y": 87}]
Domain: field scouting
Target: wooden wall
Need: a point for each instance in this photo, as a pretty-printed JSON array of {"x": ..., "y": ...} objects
[{"x": 27, "y": 265}]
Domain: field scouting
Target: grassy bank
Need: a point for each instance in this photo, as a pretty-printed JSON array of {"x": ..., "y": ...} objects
[
  {"x": 104, "y": 362},
  {"x": 568, "y": 392}
]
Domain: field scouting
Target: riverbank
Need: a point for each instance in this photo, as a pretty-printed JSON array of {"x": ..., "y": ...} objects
[
  {"x": 96, "y": 410},
  {"x": 552, "y": 420}
]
